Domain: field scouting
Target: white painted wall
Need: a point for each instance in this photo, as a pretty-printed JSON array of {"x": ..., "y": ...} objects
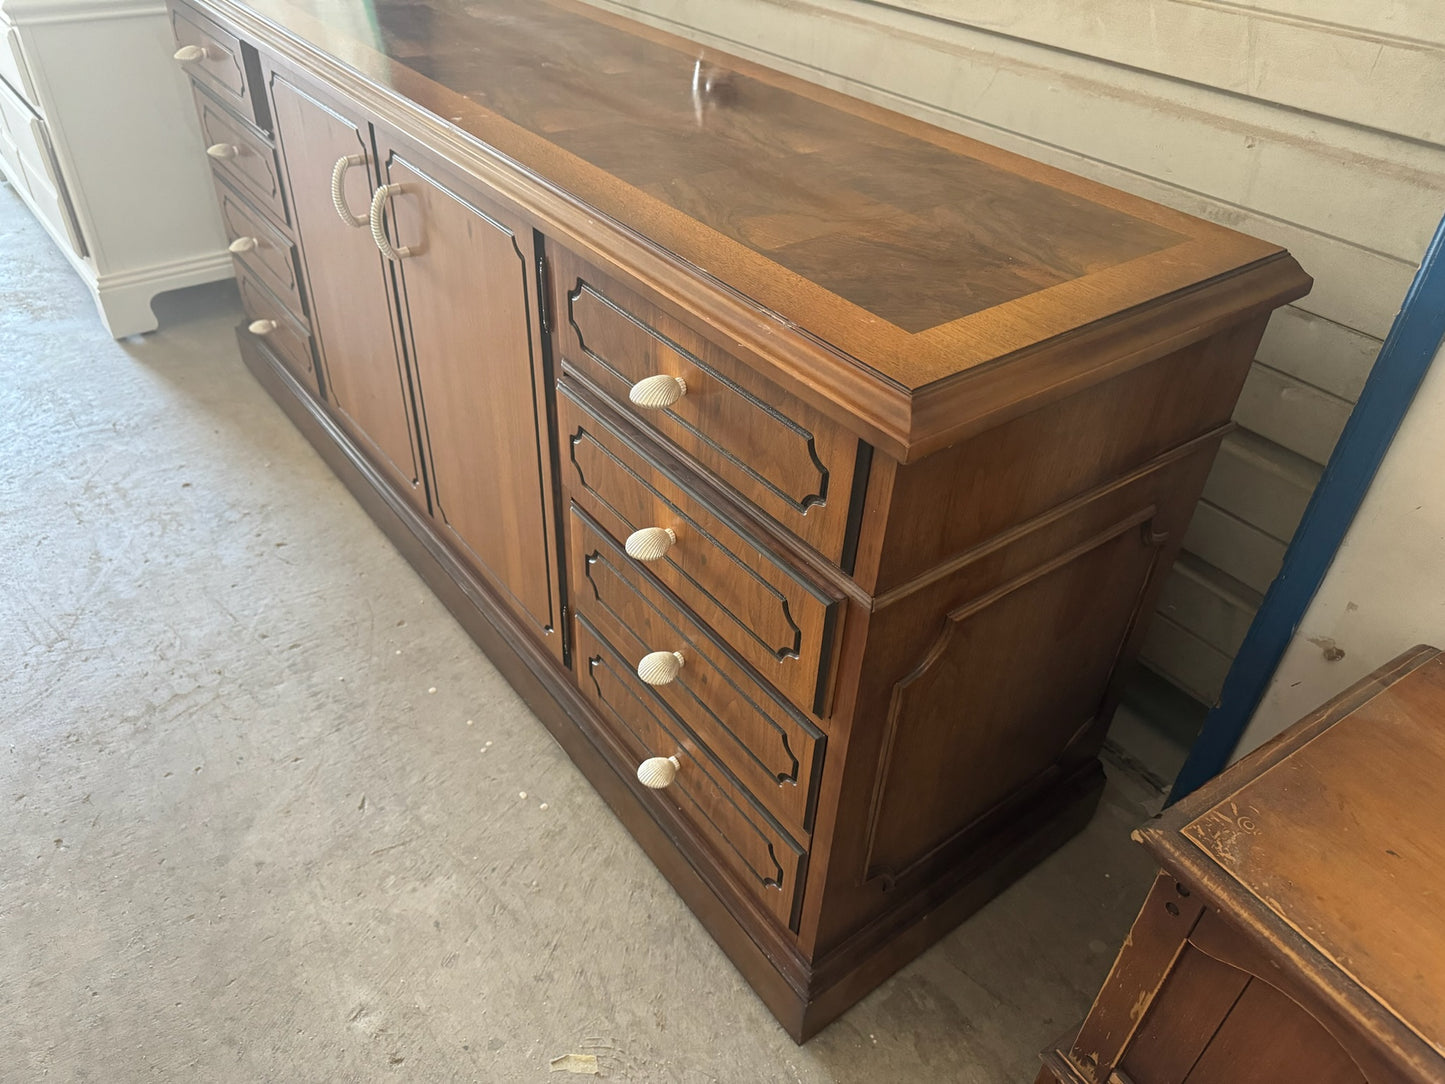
[
  {"x": 1385, "y": 591},
  {"x": 1318, "y": 124}
]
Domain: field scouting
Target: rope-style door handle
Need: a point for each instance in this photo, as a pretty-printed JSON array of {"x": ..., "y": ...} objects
[
  {"x": 378, "y": 223},
  {"x": 338, "y": 192}
]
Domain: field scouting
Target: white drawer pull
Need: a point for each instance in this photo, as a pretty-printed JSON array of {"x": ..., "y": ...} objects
[
  {"x": 261, "y": 327},
  {"x": 189, "y": 54},
  {"x": 657, "y": 772},
  {"x": 659, "y": 667},
  {"x": 223, "y": 150},
  {"x": 378, "y": 223},
  {"x": 338, "y": 192},
  {"x": 658, "y": 392},
  {"x": 650, "y": 543},
  {"x": 241, "y": 244}
]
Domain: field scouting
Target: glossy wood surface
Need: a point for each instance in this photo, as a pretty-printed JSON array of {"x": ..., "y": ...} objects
[
  {"x": 476, "y": 354},
  {"x": 775, "y": 450},
  {"x": 770, "y": 613},
  {"x": 772, "y": 748},
  {"x": 912, "y": 249},
  {"x": 947, "y": 414},
  {"x": 366, "y": 382}
]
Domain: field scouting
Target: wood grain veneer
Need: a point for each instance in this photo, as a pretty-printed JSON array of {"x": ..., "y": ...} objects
[
  {"x": 1289, "y": 936},
  {"x": 943, "y": 419}
]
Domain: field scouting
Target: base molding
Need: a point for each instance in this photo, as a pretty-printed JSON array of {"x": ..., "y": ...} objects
[
  {"x": 124, "y": 297},
  {"x": 805, "y": 997}
]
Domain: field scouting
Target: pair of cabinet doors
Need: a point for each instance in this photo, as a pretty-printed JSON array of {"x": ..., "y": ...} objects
[{"x": 428, "y": 336}]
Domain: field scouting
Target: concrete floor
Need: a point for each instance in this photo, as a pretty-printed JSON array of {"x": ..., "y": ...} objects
[{"x": 270, "y": 815}]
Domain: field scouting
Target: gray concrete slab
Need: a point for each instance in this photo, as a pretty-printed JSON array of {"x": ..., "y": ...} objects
[{"x": 270, "y": 814}]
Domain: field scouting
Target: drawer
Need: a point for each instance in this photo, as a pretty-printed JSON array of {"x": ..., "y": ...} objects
[
  {"x": 264, "y": 250},
  {"x": 242, "y": 156},
  {"x": 765, "y": 861},
  {"x": 288, "y": 340},
  {"x": 781, "y": 454},
  {"x": 221, "y": 66},
  {"x": 29, "y": 153},
  {"x": 13, "y": 68},
  {"x": 765, "y": 609},
  {"x": 769, "y": 747}
]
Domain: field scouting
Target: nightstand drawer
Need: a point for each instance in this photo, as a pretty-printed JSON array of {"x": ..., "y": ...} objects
[
  {"x": 262, "y": 249},
  {"x": 242, "y": 156},
  {"x": 772, "y": 749},
  {"x": 213, "y": 57},
  {"x": 767, "y": 610},
  {"x": 767, "y": 863},
  {"x": 782, "y": 455},
  {"x": 271, "y": 323}
]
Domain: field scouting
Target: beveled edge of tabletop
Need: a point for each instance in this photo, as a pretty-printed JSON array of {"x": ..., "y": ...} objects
[{"x": 1164, "y": 838}]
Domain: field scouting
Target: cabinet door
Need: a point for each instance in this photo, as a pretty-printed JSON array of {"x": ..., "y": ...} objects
[
  {"x": 469, "y": 297},
  {"x": 366, "y": 380}
]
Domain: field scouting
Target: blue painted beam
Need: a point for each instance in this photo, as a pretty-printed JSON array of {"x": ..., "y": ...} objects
[{"x": 1403, "y": 361}]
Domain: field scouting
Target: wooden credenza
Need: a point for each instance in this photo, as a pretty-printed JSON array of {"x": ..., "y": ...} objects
[
  {"x": 808, "y": 469},
  {"x": 1294, "y": 934}
]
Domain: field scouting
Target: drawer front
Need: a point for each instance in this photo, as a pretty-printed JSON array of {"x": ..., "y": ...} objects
[
  {"x": 781, "y": 454},
  {"x": 288, "y": 340},
  {"x": 768, "y": 747},
  {"x": 32, "y": 157},
  {"x": 13, "y": 68},
  {"x": 249, "y": 161},
  {"x": 221, "y": 68},
  {"x": 266, "y": 252},
  {"x": 766, "y": 610},
  {"x": 766, "y": 863}
]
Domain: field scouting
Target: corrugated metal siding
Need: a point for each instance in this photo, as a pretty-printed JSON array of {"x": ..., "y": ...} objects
[{"x": 1318, "y": 124}]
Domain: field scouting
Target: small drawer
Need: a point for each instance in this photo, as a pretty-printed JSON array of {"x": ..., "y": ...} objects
[
  {"x": 262, "y": 249},
  {"x": 288, "y": 340},
  {"x": 220, "y": 66},
  {"x": 766, "y": 862},
  {"x": 777, "y": 451},
  {"x": 242, "y": 156},
  {"x": 767, "y": 745},
  {"x": 765, "y": 609}
]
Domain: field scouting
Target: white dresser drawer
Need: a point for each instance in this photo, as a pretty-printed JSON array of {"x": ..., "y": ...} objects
[
  {"x": 13, "y": 68},
  {"x": 28, "y": 141}
]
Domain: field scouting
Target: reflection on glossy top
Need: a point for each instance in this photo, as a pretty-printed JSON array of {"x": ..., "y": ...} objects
[
  {"x": 917, "y": 251},
  {"x": 906, "y": 229}
]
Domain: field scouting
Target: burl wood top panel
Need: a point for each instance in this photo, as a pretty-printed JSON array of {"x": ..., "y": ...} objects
[
  {"x": 915, "y": 251},
  {"x": 1344, "y": 841}
]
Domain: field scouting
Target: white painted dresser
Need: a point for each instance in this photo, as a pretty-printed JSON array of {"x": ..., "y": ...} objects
[{"x": 98, "y": 136}]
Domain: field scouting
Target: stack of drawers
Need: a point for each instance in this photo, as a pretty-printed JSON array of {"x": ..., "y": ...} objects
[
  {"x": 236, "y": 125},
  {"x": 705, "y": 635}
]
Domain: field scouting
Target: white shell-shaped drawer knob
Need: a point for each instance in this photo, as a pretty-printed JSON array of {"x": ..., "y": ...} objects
[
  {"x": 658, "y": 392},
  {"x": 657, "y": 772},
  {"x": 261, "y": 327},
  {"x": 650, "y": 543},
  {"x": 189, "y": 54},
  {"x": 223, "y": 150},
  {"x": 242, "y": 244},
  {"x": 659, "y": 667}
]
